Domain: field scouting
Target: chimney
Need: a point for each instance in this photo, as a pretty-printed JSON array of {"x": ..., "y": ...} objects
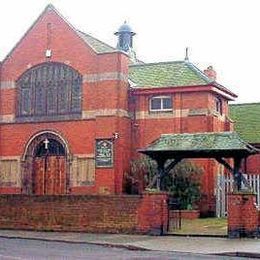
[{"x": 211, "y": 73}]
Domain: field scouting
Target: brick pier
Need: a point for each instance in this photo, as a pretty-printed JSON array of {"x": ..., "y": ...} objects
[{"x": 243, "y": 215}]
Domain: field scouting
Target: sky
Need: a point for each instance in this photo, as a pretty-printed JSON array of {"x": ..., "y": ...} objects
[{"x": 221, "y": 33}]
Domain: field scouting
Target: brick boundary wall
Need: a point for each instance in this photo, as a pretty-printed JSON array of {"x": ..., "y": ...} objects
[
  {"x": 184, "y": 214},
  {"x": 243, "y": 216},
  {"x": 142, "y": 214}
]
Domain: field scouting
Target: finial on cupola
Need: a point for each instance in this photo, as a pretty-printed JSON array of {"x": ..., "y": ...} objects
[{"x": 125, "y": 37}]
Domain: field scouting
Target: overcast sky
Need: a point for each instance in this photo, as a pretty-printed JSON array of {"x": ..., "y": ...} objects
[{"x": 222, "y": 33}]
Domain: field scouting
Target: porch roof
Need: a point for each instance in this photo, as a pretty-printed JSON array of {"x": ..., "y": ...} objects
[{"x": 199, "y": 145}]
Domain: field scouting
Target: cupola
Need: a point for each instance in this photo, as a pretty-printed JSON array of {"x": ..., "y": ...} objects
[{"x": 125, "y": 37}]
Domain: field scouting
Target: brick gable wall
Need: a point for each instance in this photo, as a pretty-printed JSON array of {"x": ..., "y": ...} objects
[{"x": 104, "y": 102}]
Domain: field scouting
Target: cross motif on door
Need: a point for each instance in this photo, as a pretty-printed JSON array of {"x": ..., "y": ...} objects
[{"x": 46, "y": 143}]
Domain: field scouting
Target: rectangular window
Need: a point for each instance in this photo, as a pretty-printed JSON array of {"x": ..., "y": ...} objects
[
  {"x": 85, "y": 171},
  {"x": 218, "y": 105},
  {"x": 161, "y": 103},
  {"x": 9, "y": 175}
]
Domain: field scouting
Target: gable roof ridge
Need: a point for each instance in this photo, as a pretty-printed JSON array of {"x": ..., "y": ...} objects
[
  {"x": 51, "y": 7},
  {"x": 96, "y": 39},
  {"x": 155, "y": 63},
  {"x": 199, "y": 72},
  {"x": 209, "y": 80}
]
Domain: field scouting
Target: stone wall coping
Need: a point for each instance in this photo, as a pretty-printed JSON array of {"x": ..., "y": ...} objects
[
  {"x": 242, "y": 192},
  {"x": 151, "y": 193},
  {"x": 71, "y": 196}
]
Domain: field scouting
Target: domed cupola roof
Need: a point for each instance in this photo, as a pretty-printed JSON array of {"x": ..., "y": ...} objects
[
  {"x": 125, "y": 28},
  {"x": 125, "y": 40}
]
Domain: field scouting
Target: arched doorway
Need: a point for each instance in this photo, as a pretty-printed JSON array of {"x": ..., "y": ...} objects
[{"x": 45, "y": 165}]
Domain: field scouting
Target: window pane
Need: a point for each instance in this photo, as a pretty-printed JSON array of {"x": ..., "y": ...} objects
[
  {"x": 51, "y": 99},
  {"x": 26, "y": 102},
  {"x": 218, "y": 104},
  {"x": 156, "y": 103},
  {"x": 75, "y": 95},
  {"x": 39, "y": 99},
  {"x": 62, "y": 97},
  {"x": 167, "y": 103}
]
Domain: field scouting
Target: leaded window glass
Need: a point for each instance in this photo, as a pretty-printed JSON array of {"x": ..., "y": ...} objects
[{"x": 49, "y": 89}]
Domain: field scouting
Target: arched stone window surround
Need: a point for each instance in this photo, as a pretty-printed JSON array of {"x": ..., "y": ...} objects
[
  {"x": 49, "y": 90},
  {"x": 33, "y": 142}
]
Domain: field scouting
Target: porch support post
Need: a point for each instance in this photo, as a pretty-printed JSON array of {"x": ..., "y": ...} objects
[
  {"x": 237, "y": 174},
  {"x": 238, "y": 177},
  {"x": 172, "y": 165},
  {"x": 160, "y": 173}
]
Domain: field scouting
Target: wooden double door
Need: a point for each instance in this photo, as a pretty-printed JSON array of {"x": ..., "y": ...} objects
[{"x": 49, "y": 175}]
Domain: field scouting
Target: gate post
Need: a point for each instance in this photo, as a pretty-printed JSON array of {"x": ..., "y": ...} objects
[
  {"x": 153, "y": 213},
  {"x": 243, "y": 215}
]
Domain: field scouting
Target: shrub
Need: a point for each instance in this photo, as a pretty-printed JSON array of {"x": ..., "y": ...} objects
[
  {"x": 140, "y": 175},
  {"x": 182, "y": 182}
]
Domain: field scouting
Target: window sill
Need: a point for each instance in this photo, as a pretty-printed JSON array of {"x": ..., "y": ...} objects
[
  {"x": 47, "y": 118},
  {"x": 160, "y": 111}
]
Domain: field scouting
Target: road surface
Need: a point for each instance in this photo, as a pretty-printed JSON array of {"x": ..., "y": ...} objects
[{"x": 21, "y": 249}]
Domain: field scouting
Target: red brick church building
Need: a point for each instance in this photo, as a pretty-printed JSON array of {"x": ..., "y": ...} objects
[{"x": 74, "y": 110}]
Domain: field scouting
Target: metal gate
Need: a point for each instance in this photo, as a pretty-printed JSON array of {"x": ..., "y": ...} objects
[
  {"x": 224, "y": 185},
  {"x": 174, "y": 214}
]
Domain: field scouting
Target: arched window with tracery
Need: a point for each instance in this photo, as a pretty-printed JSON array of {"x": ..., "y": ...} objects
[{"x": 49, "y": 90}]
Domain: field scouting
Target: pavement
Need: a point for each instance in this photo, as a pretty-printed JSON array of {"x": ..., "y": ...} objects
[{"x": 184, "y": 244}]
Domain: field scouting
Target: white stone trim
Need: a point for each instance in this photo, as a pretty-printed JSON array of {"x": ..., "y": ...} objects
[
  {"x": 7, "y": 85},
  {"x": 10, "y": 118},
  {"x": 90, "y": 114},
  {"x": 86, "y": 114},
  {"x": 199, "y": 112},
  {"x": 90, "y": 78},
  {"x": 87, "y": 155},
  {"x": 160, "y": 115},
  {"x": 8, "y": 157}
]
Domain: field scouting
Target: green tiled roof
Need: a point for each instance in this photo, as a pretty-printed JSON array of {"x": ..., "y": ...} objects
[
  {"x": 165, "y": 74},
  {"x": 199, "y": 141},
  {"x": 247, "y": 121},
  {"x": 97, "y": 45}
]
